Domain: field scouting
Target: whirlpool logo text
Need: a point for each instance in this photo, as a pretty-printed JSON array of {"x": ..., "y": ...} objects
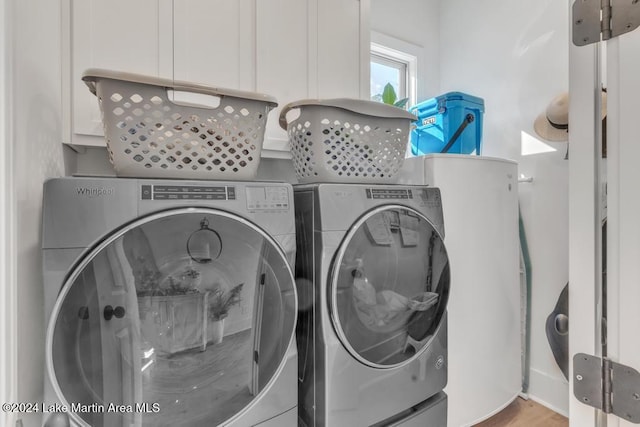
[{"x": 92, "y": 192}]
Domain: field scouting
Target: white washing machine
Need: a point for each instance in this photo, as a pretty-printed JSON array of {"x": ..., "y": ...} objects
[
  {"x": 170, "y": 303},
  {"x": 480, "y": 202},
  {"x": 372, "y": 274}
]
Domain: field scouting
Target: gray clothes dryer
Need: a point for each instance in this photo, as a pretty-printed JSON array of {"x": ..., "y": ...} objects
[
  {"x": 372, "y": 274},
  {"x": 170, "y": 303}
]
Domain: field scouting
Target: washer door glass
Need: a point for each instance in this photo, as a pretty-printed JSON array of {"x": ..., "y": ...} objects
[
  {"x": 390, "y": 286},
  {"x": 144, "y": 334}
]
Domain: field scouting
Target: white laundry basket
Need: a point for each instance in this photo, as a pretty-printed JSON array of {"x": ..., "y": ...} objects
[
  {"x": 150, "y": 135},
  {"x": 346, "y": 140}
]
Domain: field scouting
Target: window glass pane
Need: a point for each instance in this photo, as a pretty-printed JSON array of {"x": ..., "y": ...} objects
[{"x": 385, "y": 70}]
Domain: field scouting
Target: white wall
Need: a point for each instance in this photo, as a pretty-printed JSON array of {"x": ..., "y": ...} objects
[
  {"x": 7, "y": 293},
  {"x": 37, "y": 155},
  {"x": 514, "y": 54},
  {"x": 414, "y": 22}
]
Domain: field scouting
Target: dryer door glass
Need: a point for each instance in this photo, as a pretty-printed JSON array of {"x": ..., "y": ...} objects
[
  {"x": 143, "y": 334},
  {"x": 390, "y": 286}
]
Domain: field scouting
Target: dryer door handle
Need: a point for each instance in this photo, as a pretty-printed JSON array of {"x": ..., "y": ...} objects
[{"x": 110, "y": 312}]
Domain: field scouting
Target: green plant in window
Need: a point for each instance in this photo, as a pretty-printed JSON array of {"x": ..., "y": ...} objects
[{"x": 390, "y": 97}]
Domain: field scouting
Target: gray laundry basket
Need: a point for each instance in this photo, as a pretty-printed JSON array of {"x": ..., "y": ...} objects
[
  {"x": 346, "y": 140},
  {"x": 150, "y": 135}
]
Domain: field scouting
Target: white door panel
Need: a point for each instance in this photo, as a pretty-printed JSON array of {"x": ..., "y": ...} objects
[
  {"x": 623, "y": 210},
  {"x": 623, "y": 246},
  {"x": 582, "y": 221}
]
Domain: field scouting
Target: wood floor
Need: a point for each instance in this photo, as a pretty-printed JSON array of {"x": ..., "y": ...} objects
[{"x": 525, "y": 413}]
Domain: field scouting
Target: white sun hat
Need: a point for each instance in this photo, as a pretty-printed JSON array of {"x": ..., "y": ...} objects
[{"x": 553, "y": 123}]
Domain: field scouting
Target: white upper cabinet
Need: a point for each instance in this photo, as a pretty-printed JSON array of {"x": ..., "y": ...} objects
[
  {"x": 343, "y": 49},
  {"x": 283, "y": 48},
  {"x": 114, "y": 34},
  {"x": 290, "y": 49},
  {"x": 213, "y": 43}
]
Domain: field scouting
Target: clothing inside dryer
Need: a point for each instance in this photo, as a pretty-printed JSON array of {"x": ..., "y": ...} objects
[
  {"x": 198, "y": 331},
  {"x": 392, "y": 286}
]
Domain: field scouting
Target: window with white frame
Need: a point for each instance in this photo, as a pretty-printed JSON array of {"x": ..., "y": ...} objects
[{"x": 394, "y": 67}]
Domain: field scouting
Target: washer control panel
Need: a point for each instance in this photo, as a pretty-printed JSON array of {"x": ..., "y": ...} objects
[
  {"x": 423, "y": 196},
  {"x": 187, "y": 192},
  {"x": 389, "y": 193},
  {"x": 267, "y": 198}
]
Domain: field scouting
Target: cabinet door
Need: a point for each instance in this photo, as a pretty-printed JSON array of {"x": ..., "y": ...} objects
[
  {"x": 114, "y": 34},
  {"x": 342, "y": 42},
  {"x": 282, "y": 59},
  {"x": 213, "y": 43},
  {"x": 244, "y": 44},
  {"x": 309, "y": 49},
  {"x": 256, "y": 46}
]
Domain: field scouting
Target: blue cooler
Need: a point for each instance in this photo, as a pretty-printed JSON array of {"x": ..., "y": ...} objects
[{"x": 449, "y": 123}]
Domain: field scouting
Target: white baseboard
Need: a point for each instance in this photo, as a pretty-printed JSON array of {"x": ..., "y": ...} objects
[{"x": 549, "y": 391}]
